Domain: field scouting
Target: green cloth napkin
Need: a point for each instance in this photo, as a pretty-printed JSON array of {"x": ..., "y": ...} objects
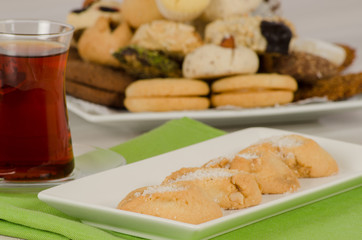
[{"x": 22, "y": 215}]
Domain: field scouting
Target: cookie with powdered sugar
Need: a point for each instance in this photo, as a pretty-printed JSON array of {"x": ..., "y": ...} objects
[
  {"x": 231, "y": 189},
  {"x": 176, "y": 201},
  {"x": 303, "y": 155},
  {"x": 272, "y": 174}
]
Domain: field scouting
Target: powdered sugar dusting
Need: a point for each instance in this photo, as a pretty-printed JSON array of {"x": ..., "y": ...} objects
[
  {"x": 160, "y": 189},
  {"x": 206, "y": 173},
  {"x": 249, "y": 156},
  {"x": 283, "y": 141}
]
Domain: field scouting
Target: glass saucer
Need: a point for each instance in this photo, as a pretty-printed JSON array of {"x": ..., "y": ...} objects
[{"x": 87, "y": 160}]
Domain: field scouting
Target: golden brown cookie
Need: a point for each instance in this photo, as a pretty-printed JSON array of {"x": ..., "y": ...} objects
[
  {"x": 272, "y": 174},
  {"x": 138, "y": 12},
  {"x": 231, "y": 189},
  {"x": 176, "y": 201},
  {"x": 168, "y": 36},
  {"x": 99, "y": 42},
  {"x": 212, "y": 61},
  {"x": 254, "y": 90},
  {"x": 303, "y": 155},
  {"x": 166, "y": 94}
]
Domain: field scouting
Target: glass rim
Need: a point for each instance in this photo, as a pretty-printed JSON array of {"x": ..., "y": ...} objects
[{"x": 68, "y": 28}]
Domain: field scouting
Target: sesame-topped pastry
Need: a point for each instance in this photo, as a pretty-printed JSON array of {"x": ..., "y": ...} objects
[
  {"x": 176, "y": 201},
  {"x": 231, "y": 189}
]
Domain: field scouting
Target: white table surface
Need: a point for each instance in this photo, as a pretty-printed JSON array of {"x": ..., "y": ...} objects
[{"x": 331, "y": 20}]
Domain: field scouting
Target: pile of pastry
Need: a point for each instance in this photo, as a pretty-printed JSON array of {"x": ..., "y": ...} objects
[
  {"x": 167, "y": 55},
  {"x": 199, "y": 194}
]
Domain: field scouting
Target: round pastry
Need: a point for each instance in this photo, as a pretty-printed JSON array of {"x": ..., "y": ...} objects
[
  {"x": 166, "y": 95},
  {"x": 272, "y": 174},
  {"x": 98, "y": 42},
  {"x": 231, "y": 189},
  {"x": 181, "y": 10},
  {"x": 255, "y": 32},
  {"x": 167, "y": 36},
  {"x": 138, "y": 12},
  {"x": 212, "y": 61},
  {"x": 177, "y": 201},
  {"x": 222, "y": 9},
  {"x": 303, "y": 155},
  {"x": 255, "y": 90}
]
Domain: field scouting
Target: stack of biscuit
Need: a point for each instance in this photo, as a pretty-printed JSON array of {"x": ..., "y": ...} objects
[
  {"x": 211, "y": 41},
  {"x": 199, "y": 194}
]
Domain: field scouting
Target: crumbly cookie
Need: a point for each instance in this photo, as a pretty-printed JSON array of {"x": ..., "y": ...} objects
[
  {"x": 254, "y": 90},
  {"x": 272, "y": 174},
  {"x": 167, "y": 95},
  {"x": 223, "y": 9},
  {"x": 98, "y": 42},
  {"x": 211, "y": 61},
  {"x": 231, "y": 189},
  {"x": 255, "y": 32},
  {"x": 168, "y": 36},
  {"x": 176, "y": 201},
  {"x": 138, "y": 12},
  {"x": 350, "y": 56},
  {"x": 336, "y": 88},
  {"x": 303, "y": 155}
]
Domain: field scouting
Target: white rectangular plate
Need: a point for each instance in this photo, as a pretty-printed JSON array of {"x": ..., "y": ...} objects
[
  {"x": 93, "y": 199},
  {"x": 214, "y": 117}
]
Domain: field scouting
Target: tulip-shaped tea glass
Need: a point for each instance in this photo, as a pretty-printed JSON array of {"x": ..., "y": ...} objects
[{"x": 35, "y": 139}]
